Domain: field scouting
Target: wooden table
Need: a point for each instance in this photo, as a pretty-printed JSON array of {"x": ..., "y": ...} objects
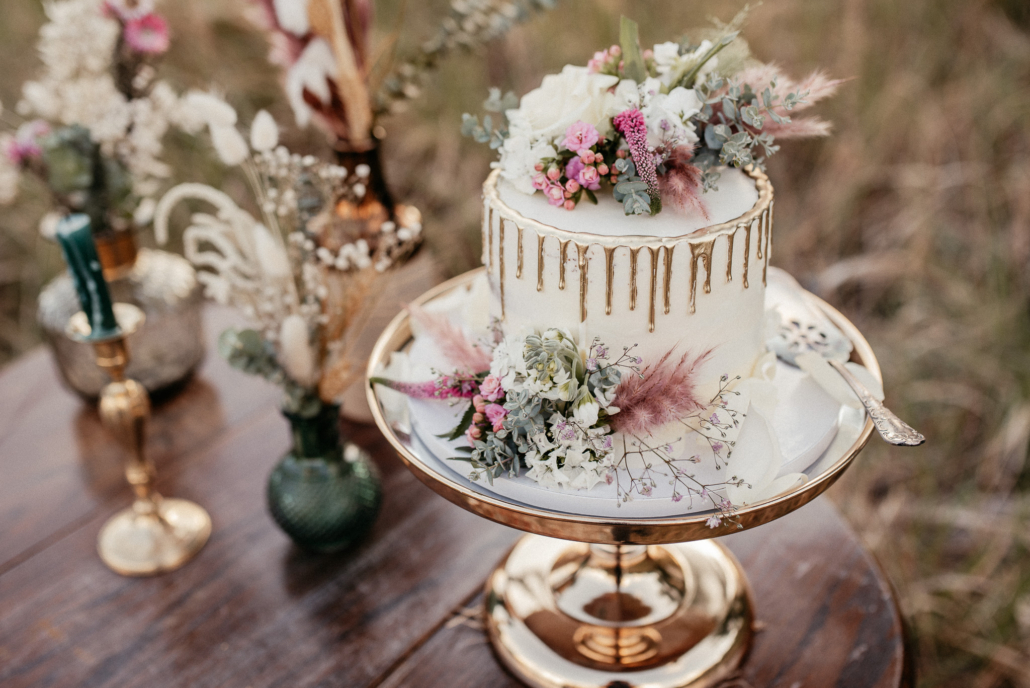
[{"x": 253, "y": 611}]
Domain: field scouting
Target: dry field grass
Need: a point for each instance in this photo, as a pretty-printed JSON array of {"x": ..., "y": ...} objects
[{"x": 914, "y": 219}]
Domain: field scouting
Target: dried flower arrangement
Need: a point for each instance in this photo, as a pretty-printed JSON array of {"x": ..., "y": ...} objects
[
  {"x": 91, "y": 127},
  {"x": 306, "y": 276},
  {"x": 337, "y": 78},
  {"x": 652, "y": 124},
  {"x": 543, "y": 405}
]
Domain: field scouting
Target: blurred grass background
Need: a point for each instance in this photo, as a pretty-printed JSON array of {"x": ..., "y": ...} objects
[{"x": 914, "y": 219}]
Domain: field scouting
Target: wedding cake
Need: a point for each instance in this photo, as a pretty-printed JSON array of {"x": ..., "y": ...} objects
[{"x": 627, "y": 232}]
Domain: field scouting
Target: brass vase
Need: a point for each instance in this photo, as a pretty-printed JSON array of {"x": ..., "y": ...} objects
[{"x": 166, "y": 349}]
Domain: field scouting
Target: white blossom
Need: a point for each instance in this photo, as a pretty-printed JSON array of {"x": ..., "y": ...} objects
[{"x": 312, "y": 70}]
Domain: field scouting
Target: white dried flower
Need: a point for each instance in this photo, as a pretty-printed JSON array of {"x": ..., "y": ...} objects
[
  {"x": 292, "y": 16},
  {"x": 212, "y": 109},
  {"x": 295, "y": 353},
  {"x": 48, "y": 225},
  {"x": 264, "y": 133},
  {"x": 270, "y": 256},
  {"x": 144, "y": 212},
  {"x": 311, "y": 72},
  {"x": 229, "y": 144},
  {"x": 362, "y": 170}
]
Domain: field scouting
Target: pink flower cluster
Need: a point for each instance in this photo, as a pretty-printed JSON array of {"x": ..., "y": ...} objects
[
  {"x": 604, "y": 58},
  {"x": 583, "y": 171},
  {"x": 25, "y": 146},
  {"x": 144, "y": 31},
  {"x": 491, "y": 413}
]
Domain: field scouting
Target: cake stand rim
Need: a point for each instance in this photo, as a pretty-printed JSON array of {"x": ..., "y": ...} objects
[{"x": 597, "y": 529}]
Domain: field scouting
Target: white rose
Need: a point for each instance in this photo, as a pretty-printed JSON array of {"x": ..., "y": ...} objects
[
  {"x": 519, "y": 155},
  {"x": 665, "y": 54},
  {"x": 667, "y": 116},
  {"x": 564, "y": 99}
]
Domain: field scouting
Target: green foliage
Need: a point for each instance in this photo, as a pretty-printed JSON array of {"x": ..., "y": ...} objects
[
  {"x": 485, "y": 132},
  {"x": 250, "y": 352}
]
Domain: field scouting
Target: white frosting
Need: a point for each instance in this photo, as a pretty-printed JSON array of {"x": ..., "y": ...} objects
[
  {"x": 735, "y": 196},
  {"x": 728, "y": 319}
]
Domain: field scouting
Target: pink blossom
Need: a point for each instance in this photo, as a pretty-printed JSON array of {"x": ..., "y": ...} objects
[
  {"x": 571, "y": 187},
  {"x": 677, "y": 497},
  {"x": 553, "y": 173},
  {"x": 584, "y": 175},
  {"x": 714, "y": 521},
  {"x": 472, "y": 434},
  {"x": 479, "y": 403},
  {"x": 630, "y": 124},
  {"x": 570, "y": 204},
  {"x": 496, "y": 413},
  {"x": 25, "y": 144},
  {"x": 580, "y": 136},
  {"x": 147, "y": 34},
  {"x": 540, "y": 181},
  {"x": 555, "y": 194},
  {"x": 442, "y": 388},
  {"x": 491, "y": 389}
]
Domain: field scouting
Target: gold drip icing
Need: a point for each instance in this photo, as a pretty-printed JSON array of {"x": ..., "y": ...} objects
[
  {"x": 518, "y": 264},
  {"x": 539, "y": 262},
  {"x": 758, "y": 244},
  {"x": 701, "y": 243},
  {"x": 583, "y": 263},
  {"x": 633, "y": 253},
  {"x": 490, "y": 242},
  {"x": 747, "y": 250},
  {"x": 768, "y": 214},
  {"x": 563, "y": 255},
  {"x": 500, "y": 261},
  {"x": 654, "y": 285},
  {"x": 703, "y": 251},
  {"x": 668, "y": 276},
  {"x": 729, "y": 257},
  {"x": 609, "y": 277}
]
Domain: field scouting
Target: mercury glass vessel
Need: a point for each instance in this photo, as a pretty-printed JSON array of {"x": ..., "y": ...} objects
[
  {"x": 166, "y": 350},
  {"x": 325, "y": 492}
]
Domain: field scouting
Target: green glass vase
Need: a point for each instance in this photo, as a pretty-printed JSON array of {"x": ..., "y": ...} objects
[{"x": 325, "y": 492}]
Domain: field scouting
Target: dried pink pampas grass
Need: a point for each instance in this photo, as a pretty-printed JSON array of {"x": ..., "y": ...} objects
[
  {"x": 663, "y": 392},
  {"x": 681, "y": 184},
  {"x": 464, "y": 354}
]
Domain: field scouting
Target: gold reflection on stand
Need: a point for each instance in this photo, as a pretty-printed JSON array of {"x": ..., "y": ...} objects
[
  {"x": 631, "y": 615},
  {"x": 154, "y": 535}
]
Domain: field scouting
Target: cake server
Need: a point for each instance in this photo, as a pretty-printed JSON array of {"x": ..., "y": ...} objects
[{"x": 802, "y": 332}]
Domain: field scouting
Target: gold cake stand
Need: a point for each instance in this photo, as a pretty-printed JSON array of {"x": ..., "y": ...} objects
[{"x": 592, "y": 602}]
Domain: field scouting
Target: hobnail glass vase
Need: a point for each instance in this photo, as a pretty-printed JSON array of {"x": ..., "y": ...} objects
[
  {"x": 325, "y": 492},
  {"x": 165, "y": 351}
]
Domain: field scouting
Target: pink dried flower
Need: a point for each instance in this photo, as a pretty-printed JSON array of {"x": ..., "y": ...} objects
[
  {"x": 491, "y": 388},
  {"x": 714, "y": 521},
  {"x": 147, "y": 35},
  {"x": 570, "y": 204},
  {"x": 495, "y": 413},
  {"x": 452, "y": 341},
  {"x": 580, "y": 136},
  {"x": 663, "y": 392},
  {"x": 443, "y": 388},
  {"x": 681, "y": 183},
  {"x": 630, "y": 124}
]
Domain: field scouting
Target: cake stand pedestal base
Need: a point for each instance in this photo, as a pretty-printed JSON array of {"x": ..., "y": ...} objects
[{"x": 569, "y": 615}]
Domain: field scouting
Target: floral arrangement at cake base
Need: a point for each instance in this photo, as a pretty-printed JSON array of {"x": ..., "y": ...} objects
[
  {"x": 651, "y": 127},
  {"x": 571, "y": 417}
]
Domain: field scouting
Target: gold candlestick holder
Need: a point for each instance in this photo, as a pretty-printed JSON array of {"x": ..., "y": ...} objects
[{"x": 155, "y": 534}]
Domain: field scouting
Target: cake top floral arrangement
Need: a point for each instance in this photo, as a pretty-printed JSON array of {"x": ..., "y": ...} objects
[
  {"x": 91, "y": 125},
  {"x": 653, "y": 125}
]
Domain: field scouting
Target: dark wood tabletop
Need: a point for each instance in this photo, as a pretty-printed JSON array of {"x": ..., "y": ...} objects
[{"x": 401, "y": 609}]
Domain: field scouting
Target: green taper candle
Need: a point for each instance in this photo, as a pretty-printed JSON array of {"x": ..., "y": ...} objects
[{"x": 76, "y": 239}]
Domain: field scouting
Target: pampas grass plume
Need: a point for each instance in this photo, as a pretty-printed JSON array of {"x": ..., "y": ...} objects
[
  {"x": 663, "y": 392},
  {"x": 452, "y": 341}
]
